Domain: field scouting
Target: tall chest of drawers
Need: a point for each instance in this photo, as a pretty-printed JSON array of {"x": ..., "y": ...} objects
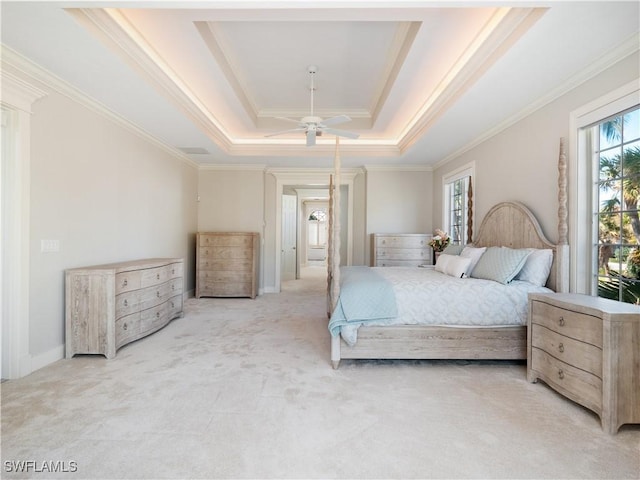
[
  {"x": 227, "y": 264},
  {"x": 108, "y": 306},
  {"x": 401, "y": 249},
  {"x": 588, "y": 349}
]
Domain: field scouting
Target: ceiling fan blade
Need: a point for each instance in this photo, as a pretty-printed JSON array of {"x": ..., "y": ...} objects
[
  {"x": 340, "y": 133},
  {"x": 311, "y": 138},
  {"x": 300, "y": 129},
  {"x": 336, "y": 120},
  {"x": 292, "y": 120}
]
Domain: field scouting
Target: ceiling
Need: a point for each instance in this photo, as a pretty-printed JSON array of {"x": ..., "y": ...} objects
[{"x": 422, "y": 81}]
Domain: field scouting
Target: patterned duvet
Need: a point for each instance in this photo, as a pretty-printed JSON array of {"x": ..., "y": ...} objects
[{"x": 426, "y": 297}]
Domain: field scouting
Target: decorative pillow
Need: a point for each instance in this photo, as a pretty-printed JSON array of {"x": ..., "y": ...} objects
[
  {"x": 537, "y": 267},
  {"x": 500, "y": 264},
  {"x": 474, "y": 253},
  {"x": 453, "y": 249},
  {"x": 452, "y": 265}
]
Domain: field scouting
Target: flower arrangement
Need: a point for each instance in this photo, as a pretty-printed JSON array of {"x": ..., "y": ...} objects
[{"x": 440, "y": 240}]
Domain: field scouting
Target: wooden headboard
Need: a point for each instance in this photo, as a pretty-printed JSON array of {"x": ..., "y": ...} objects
[{"x": 511, "y": 224}]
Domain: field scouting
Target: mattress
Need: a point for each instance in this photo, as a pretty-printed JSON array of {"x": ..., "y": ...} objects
[{"x": 426, "y": 297}]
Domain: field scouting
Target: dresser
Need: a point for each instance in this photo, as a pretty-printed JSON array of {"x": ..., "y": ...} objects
[
  {"x": 401, "y": 249},
  {"x": 108, "y": 306},
  {"x": 588, "y": 349},
  {"x": 227, "y": 264}
]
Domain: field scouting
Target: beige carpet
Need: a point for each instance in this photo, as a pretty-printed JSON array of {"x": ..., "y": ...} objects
[{"x": 242, "y": 388}]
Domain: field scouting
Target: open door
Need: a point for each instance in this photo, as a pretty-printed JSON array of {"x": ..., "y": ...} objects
[{"x": 289, "y": 224}]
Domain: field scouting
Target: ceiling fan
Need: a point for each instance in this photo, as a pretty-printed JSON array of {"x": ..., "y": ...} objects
[{"x": 314, "y": 126}]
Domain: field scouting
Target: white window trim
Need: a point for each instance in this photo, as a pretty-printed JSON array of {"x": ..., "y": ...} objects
[
  {"x": 467, "y": 170},
  {"x": 580, "y": 186}
]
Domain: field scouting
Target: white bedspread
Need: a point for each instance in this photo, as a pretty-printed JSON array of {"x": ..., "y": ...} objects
[{"x": 427, "y": 297}]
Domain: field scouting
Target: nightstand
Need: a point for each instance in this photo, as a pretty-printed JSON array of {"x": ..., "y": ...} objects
[{"x": 587, "y": 349}]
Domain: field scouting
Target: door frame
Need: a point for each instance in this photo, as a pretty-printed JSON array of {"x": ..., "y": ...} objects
[{"x": 310, "y": 177}]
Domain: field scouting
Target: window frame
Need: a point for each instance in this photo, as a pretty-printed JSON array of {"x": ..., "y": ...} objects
[
  {"x": 466, "y": 171},
  {"x": 582, "y": 201}
]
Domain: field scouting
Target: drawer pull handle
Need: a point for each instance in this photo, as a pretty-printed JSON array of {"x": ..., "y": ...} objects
[
  {"x": 561, "y": 321},
  {"x": 125, "y": 326},
  {"x": 158, "y": 294},
  {"x": 561, "y": 348},
  {"x": 173, "y": 305},
  {"x": 173, "y": 271},
  {"x": 124, "y": 284},
  {"x": 158, "y": 276},
  {"x": 560, "y": 374},
  {"x": 173, "y": 287},
  {"x": 157, "y": 314},
  {"x": 126, "y": 304},
  {"x": 384, "y": 242}
]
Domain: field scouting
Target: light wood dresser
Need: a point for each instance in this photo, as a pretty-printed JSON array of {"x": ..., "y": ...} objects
[
  {"x": 401, "y": 249},
  {"x": 108, "y": 306},
  {"x": 227, "y": 264},
  {"x": 588, "y": 349}
]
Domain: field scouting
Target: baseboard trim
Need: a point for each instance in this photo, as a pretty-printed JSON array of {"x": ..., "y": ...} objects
[{"x": 47, "y": 358}]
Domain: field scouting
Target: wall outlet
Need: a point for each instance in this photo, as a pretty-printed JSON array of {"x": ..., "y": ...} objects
[{"x": 48, "y": 246}]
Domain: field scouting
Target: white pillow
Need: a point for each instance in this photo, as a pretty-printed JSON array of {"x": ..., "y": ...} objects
[
  {"x": 537, "y": 267},
  {"x": 500, "y": 264},
  {"x": 473, "y": 253},
  {"x": 452, "y": 265}
]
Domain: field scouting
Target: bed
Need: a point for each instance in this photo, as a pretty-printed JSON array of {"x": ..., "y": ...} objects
[{"x": 458, "y": 332}]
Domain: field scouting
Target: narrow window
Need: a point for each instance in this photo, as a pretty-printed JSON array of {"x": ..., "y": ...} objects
[
  {"x": 615, "y": 143},
  {"x": 457, "y": 189}
]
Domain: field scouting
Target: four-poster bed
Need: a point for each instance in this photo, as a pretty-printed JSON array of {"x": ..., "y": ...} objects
[{"x": 507, "y": 224}]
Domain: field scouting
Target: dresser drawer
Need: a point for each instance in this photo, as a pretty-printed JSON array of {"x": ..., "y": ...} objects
[
  {"x": 576, "y": 384},
  {"x": 235, "y": 240},
  {"x": 154, "y": 318},
  {"x": 403, "y": 253},
  {"x": 573, "y": 352},
  {"x": 580, "y": 326},
  {"x": 127, "y": 281},
  {"x": 392, "y": 241},
  {"x": 174, "y": 304},
  {"x": 208, "y": 276},
  {"x": 127, "y": 329},
  {"x": 175, "y": 270},
  {"x": 230, "y": 265},
  {"x": 155, "y": 276},
  {"x": 229, "y": 253},
  {"x": 220, "y": 289}
]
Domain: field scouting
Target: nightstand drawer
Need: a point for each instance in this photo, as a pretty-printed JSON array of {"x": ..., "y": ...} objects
[
  {"x": 573, "y": 352},
  {"x": 580, "y": 326},
  {"x": 572, "y": 382}
]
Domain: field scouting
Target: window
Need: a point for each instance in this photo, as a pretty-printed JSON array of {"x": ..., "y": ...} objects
[
  {"x": 457, "y": 189},
  {"x": 318, "y": 228},
  {"x": 615, "y": 143}
]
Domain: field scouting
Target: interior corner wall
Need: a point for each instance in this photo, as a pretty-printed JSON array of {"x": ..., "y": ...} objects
[
  {"x": 521, "y": 162},
  {"x": 398, "y": 201},
  {"x": 232, "y": 200},
  {"x": 106, "y": 194}
]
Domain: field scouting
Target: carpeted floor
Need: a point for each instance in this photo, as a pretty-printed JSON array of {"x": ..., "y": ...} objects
[{"x": 242, "y": 388}]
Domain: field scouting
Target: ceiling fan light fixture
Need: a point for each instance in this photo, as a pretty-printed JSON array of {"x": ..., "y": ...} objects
[{"x": 313, "y": 126}]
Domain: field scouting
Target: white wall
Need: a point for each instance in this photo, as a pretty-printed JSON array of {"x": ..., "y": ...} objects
[
  {"x": 106, "y": 195},
  {"x": 520, "y": 163},
  {"x": 398, "y": 200}
]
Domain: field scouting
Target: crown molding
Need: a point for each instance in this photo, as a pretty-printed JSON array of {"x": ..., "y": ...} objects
[
  {"x": 230, "y": 166},
  {"x": 31, "y": 70},
  {"x": 398, "y": 168},
  {"x": 629, "y": 47},
  {"x": 18, "y": 93}
]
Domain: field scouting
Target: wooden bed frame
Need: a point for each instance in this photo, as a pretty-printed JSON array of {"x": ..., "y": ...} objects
[{"x": 509, "y": 224}]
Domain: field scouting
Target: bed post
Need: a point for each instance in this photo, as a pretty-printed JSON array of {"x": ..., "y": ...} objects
[
  {"x": 330, "y": 251},
  {"x": 470, "y": 212},
  {"x": 562, "y": 251}
]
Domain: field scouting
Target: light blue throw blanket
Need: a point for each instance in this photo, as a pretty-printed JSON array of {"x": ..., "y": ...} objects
[{"x": 364, "y": 296}]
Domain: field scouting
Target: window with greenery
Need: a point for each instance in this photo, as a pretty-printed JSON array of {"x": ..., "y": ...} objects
[
  {"x": 616, "y": 254},
  {"x": 456, "y": 206}
]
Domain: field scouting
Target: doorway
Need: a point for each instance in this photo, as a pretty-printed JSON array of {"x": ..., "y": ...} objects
[{"x": 287, "y": 182}]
